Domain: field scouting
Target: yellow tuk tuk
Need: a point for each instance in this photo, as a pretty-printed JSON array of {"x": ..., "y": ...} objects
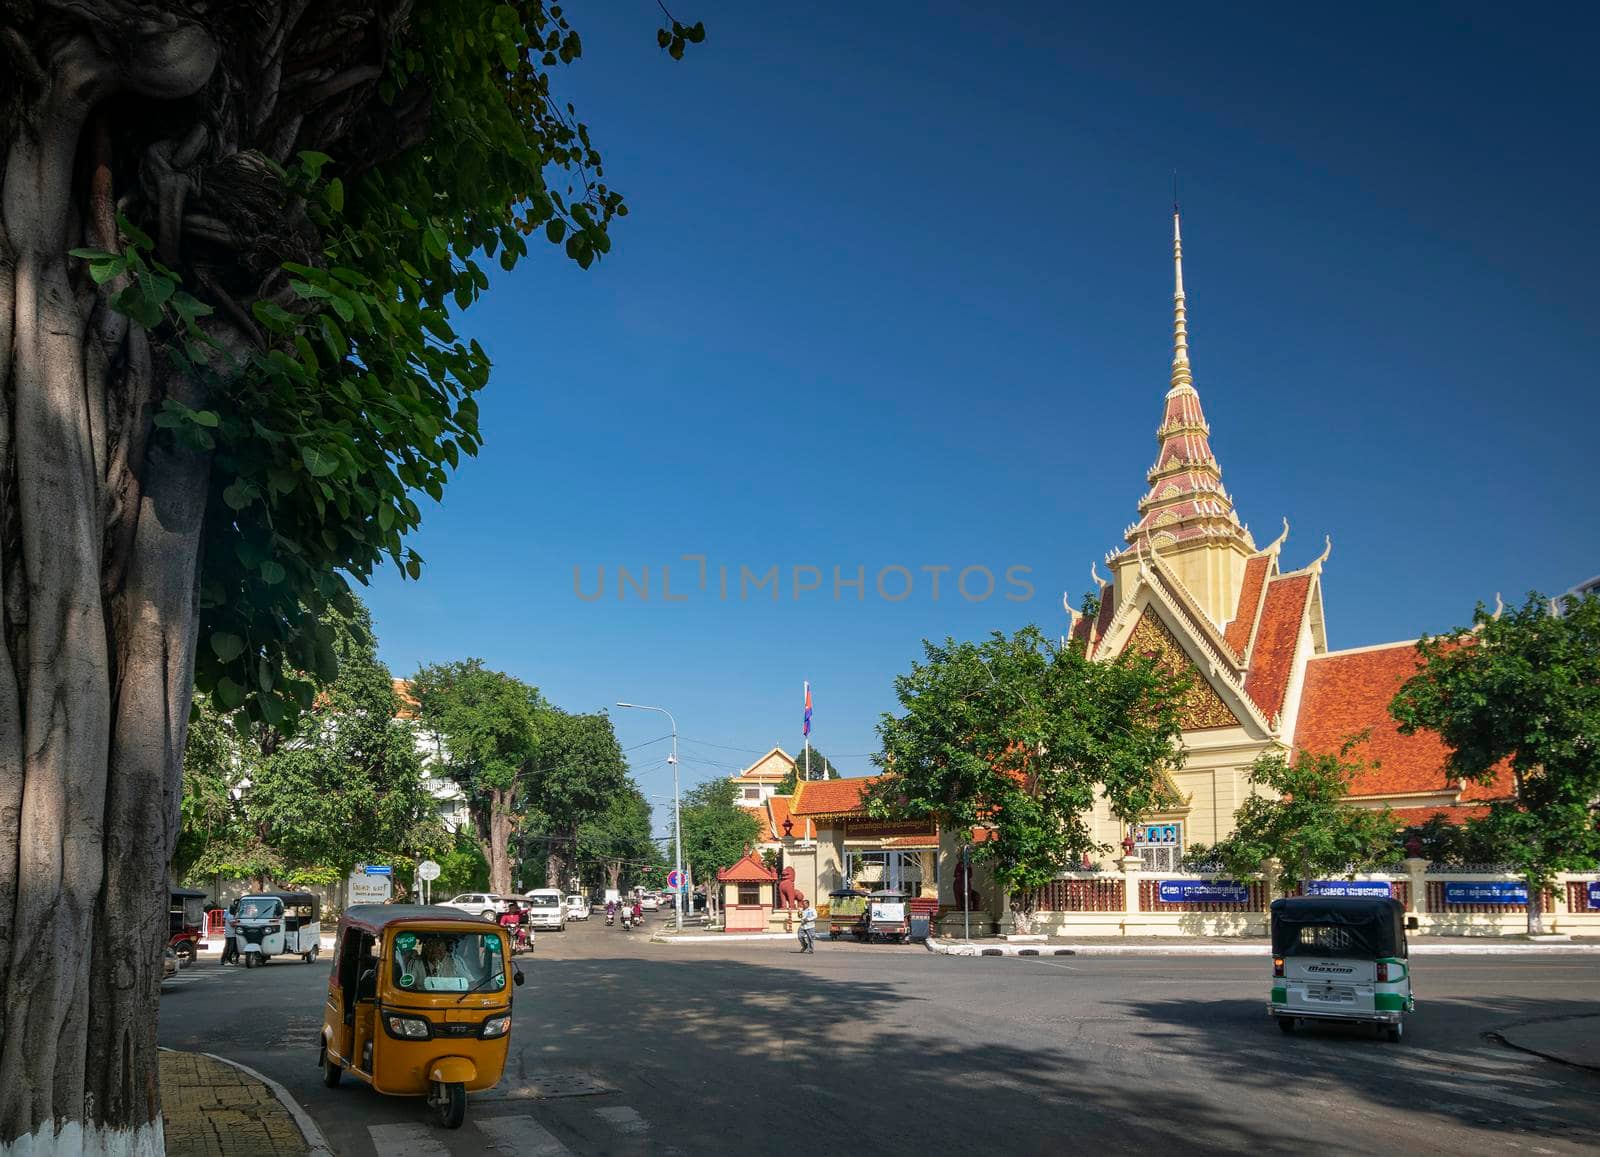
[{"x": 419, "y": 1004}]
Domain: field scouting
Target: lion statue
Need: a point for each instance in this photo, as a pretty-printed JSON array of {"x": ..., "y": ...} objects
[{"x": 788, "y": 897}]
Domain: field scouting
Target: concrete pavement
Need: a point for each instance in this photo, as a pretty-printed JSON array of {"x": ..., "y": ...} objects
[
  {"x": 628, "y": 1047},
  {"x": 1572, "y": 1040}
]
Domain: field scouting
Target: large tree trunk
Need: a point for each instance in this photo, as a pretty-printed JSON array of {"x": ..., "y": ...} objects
[
  {"x": 99, "y": 549},
  {"x": 498, "y": 847}
]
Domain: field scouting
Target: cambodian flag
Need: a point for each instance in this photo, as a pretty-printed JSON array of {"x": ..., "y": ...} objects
[{"x": 806, "y": 729}]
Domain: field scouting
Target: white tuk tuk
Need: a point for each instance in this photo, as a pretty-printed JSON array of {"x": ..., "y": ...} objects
[
  {"x": 273, "y": 923},
  {"x": 1340, "y": 958}
]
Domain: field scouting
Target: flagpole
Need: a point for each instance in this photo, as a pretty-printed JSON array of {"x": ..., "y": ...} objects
[{"x": 806, "y": 691}]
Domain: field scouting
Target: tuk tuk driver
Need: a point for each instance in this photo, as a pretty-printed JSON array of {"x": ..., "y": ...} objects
[{"x": 432, "y": 958}]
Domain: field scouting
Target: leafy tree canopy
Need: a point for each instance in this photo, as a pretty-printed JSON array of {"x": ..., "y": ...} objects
[
  {"x": 716, "y": 830},
  {"x": 1019, "y": 734},
  {"x": 1520, "y": 691},
  {"x": 618, "y": 838},
  {"x": 1305, "y": 822},
  {"x": 821, "y": 768}
]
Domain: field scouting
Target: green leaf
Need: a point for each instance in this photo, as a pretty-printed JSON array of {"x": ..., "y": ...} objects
[
  {"x": 555, "y": 229},
  {"x": 229, "y": 693},
  {"x": 433, "y": 241},
  {"x": 272, "y": 573},
  {"x": 335, "y": 195},
  {"x": 319, "y": 462},
  {"x": 226, "y": 647},
  {"x": 663, "y": 37}
]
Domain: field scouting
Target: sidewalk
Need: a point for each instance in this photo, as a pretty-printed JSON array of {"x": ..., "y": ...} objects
[
  {"x": 213, "y": 1108},
  {"x": 1241, "y": 946},
  {"x": 1572, "y": 1040}
]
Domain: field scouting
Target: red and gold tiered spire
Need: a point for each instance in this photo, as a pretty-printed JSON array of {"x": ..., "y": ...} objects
[{"x": 1187, "y": 500}]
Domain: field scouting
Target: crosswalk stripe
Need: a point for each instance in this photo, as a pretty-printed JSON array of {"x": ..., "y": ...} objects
[
  {"x": 624, "y": 1119},
  {"x": 406, "y": 1139},
  {"x": 1463, "y": 1059},
  {"x": 521, "y": 1136},
  {"x": 1459, "y": 1074},
  {"x": 1486, "y": 1094},
  {"x": 1508, "y": 1057}
]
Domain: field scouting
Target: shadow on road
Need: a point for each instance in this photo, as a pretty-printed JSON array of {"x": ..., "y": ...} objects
[
  {"x": 857, "y": 1065},
  {"x": 1244, "y": 1050}
]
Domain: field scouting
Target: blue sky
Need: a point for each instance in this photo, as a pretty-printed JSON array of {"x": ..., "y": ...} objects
[{"x": 895, "y": 290}]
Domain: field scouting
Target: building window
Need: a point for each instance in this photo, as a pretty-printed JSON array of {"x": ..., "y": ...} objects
[
  {"x": 750, "y": 894},
  {"x": 752, "y": 793},
  {"x": 1159, "y": 845}
]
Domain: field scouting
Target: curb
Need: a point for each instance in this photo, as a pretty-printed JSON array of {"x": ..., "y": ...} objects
[
  {"x": 308, "y": 1128},
  {"x": 1500, "y": 1038},
  {"x": 718, "y": 937},
  {"x": 956, "y": 948}
]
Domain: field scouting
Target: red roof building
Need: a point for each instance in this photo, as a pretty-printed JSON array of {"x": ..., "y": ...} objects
[{"x": 1190, "y": 588}]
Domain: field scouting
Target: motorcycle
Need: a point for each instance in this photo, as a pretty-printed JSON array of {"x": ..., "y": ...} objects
[
  {"x": 611, "y": 918},
  {"x": 627, "y": 922}
]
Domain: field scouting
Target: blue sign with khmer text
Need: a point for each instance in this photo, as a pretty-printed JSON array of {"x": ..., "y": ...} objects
[
  {"x": 1594, "y": 895},
  {"x": 1203, "y": 892},
  {"x": 1379, "y": 888},
  {"x": 1485, "y": 892}
]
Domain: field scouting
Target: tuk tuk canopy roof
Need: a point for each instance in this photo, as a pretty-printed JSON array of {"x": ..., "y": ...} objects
[
  {"x": 374, "y": 917},
  {"x": 288, "y": 898},
  {"x": 1360, "y": 926},
  {"x": 190, "y": 893}
]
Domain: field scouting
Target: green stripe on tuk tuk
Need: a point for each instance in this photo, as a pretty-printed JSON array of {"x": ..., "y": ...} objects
[
  {"x": 1279, "y": 995},
  {"x": 1388, "y": 1002}
]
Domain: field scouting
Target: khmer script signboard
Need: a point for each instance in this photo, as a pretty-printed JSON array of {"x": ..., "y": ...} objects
[
  {"x": 1485, "y": 892},
  {"x": 1379, "y": 888},
  {"x": 1203, "y": 892}
]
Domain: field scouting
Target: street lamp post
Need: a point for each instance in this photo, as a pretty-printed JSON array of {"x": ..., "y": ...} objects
[{"x": 677, "y": 811}]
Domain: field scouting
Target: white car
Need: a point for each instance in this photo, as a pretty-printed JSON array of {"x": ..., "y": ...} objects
[
  {"x": 546, "y": 908},
  {"x": 577, "y": 908},
  {"x": 650, "y": 902},
  {"x": 483, "y": 904}
]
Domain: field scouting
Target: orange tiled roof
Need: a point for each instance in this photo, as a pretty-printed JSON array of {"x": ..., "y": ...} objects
[
  {"x": 748, "y": 870},
  {"x": 405, "y": 701},
  {"x": 781, "y": 808},
  {"x": 1272, "y": 660},
  {"x": 1349, "y": 692},
  {"x": 1459, "y": 814},
  {"x": 913, "y": 842},
  {"x": 1237, "y": 635},
  {"x": 831, "y": 797}
]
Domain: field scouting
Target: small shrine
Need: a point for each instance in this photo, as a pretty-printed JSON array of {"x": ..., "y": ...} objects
[{"x": 749, "y": 894}]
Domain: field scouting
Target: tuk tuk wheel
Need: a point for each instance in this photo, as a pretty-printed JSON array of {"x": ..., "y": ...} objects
[
  {"x": 249, "y": 959},
  {"x": 1394, "y": 1031},
  {"x": 1285, "y": 1023},
  {"x": 186, "y": 953},
  {"x": 331, "y": 1069},
  {"x": 450, "y": 1102}
]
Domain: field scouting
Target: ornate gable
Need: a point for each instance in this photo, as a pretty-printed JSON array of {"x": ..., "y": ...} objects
[{"x": 1202, "y": 706}]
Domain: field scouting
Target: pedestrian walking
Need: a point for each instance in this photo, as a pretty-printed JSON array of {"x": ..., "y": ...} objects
[
  {"x": 230, "y": 937},
  {"x": 808, "y": 928}
]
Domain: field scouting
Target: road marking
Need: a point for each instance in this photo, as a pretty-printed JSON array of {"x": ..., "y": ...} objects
[
  {"x": 1508, "y": 1056},
  {"x": 406, "y": 1140},
  {"x": 1051, "y": 963},
  {"x": 521, "y": 1136},
  {"x": 1461, "y": 1059},
  {"x": 624, "y": 1119},
  {"x": 1426, "y": 1067},
  {"x": 1498, "y": 1095}
]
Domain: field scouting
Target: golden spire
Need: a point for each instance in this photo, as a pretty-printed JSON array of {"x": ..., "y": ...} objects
[{"x": 1180, "y": 324}]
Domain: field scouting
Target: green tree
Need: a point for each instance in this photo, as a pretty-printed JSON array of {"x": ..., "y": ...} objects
[
  {"x": 1019, "y": 735},
  {"x": 212, "y": 766},
  {"x": 1305, "y": 822},
  {"x": 580, "y": 770},
  {"x": 343, "y": 786},
  {"x": 821, "y": 768},
  {"x": 485, "y": 727},
  {"x": 1519, "y": 691},
  {"x": 462, "y": 867},
  {"x": 231, "y": 239},
  {"x": 619, "y": 836},
  {"x": 716, "y": 830}
]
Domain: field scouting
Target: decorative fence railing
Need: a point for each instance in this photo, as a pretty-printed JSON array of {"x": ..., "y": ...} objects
[
  {"x": 1445, "y": 896},
  {"x": 1097, "y": 894}
]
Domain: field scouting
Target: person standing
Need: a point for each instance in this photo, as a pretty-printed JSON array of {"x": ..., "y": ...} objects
[
  {"x": 230, "y": 937},
  {"x": 808, "y": 928}
]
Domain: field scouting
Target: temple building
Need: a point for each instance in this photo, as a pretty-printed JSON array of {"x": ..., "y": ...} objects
[{"x": 1190, "y": 587}]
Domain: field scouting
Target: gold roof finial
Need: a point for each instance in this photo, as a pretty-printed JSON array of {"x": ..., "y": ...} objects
[{"x": 1180, "y": 322}]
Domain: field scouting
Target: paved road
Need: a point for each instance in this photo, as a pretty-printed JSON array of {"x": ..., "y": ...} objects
[{"x": 752, "y": 1048}]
